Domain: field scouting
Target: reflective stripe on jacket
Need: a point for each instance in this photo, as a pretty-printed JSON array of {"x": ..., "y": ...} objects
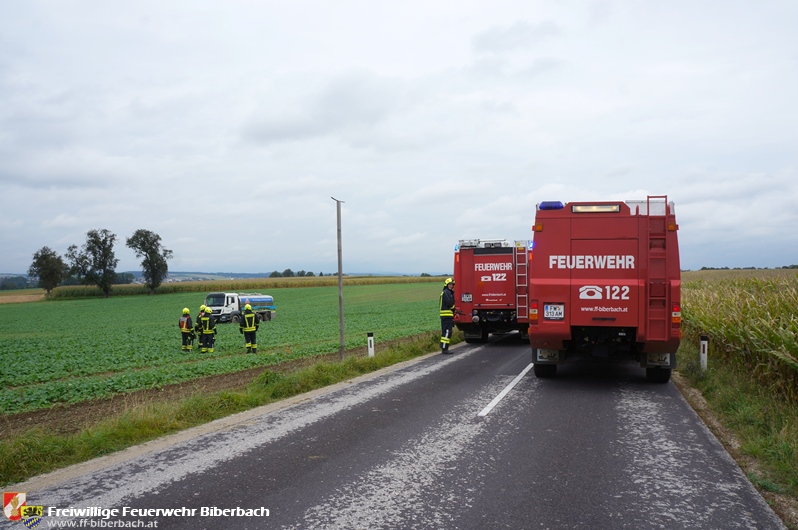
[
  {"x": 447, "y": 302},
  {"x": 185, "y": 324},
  {"x": 249, "y": 320},
  {"x": 208, "y": 323}
]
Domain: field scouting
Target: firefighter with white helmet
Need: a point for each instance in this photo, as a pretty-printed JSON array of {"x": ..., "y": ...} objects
[
  {"x": 249, "y": 328},
  {"x": 447, "y": 314}
]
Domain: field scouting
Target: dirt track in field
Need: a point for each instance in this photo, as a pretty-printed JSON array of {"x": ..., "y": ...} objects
[
  {"x": 19, "y": 298},
  {"x": 72, "y": 418},
  {"x": 68, "y": 419}
]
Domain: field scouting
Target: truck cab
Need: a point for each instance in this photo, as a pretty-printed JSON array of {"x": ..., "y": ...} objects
[{"x": 223, "y": 305}]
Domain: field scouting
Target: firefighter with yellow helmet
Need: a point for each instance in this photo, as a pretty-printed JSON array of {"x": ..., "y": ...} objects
[
  {"x": 197, "y": 320},
  {"x": 186, "y": 330},
  {"x": 447, "y": 314},
  {"x": 249, "y": 328},
  {"x": 207, "y": 326}
]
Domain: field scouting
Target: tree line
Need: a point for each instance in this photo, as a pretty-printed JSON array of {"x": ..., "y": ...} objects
[
  {"x": 288, "y": 273},
  {"x": 94, "y": 263},
  {"x": 10, "y": 283}
]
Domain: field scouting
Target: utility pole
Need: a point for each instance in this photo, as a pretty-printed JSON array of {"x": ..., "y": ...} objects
[{"x": 340, "y": 282}]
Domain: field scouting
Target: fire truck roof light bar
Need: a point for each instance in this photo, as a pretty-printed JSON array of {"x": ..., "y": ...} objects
[
  {"x": 482, "y": 243},
  {"x": 551, "y": 205},
  {"x": 596, "y": 208}
]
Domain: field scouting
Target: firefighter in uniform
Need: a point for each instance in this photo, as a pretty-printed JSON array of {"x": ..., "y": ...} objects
[
  {"x": 249, "y": 328},
  {"x": 447, "y": 314},
  {"x": 198, "y": 322},
  {"x": 208, "y": 331},
  {"x": 186, "y": 330}
]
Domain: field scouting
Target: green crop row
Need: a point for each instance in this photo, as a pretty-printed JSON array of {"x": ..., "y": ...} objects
[
  {"x": 72, "y": 350},
  {"x": 750, "y": 321}
]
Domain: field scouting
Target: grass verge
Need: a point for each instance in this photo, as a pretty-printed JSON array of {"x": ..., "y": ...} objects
[
  {"x": 36, "y": 451},
  {"x": 763, "y": 426},
  {"x": 767, "y": 428}
]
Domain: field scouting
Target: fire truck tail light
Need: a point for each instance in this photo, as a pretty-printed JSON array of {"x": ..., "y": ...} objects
[
  {"x": 533, "y": 312},
  {"x": 676, "y": 316}
]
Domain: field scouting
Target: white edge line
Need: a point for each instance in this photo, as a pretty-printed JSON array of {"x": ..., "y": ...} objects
[{"x": 504, "y": 392}]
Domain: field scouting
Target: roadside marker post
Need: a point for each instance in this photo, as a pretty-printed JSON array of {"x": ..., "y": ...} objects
[
  {"x": 370, "y": 342},
  {"x": 702, "y": 353}
]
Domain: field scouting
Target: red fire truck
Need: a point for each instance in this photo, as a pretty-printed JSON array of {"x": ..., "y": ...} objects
[
  {"x": 491, "y": 287},
  {"x": 604, "y": 281}
]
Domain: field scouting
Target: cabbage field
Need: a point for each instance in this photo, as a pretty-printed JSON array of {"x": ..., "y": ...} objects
[{"x": 68, "y": 351}]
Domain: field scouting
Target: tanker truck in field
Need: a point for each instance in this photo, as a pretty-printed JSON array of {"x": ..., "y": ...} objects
[
  {"x": 604, "y": 282},
  {"x": 227, "y": 307},
  {"x": 490, "y": 278}
]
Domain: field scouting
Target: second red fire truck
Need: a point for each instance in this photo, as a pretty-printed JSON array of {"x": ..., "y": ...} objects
[{"x": 491, "y": 284}]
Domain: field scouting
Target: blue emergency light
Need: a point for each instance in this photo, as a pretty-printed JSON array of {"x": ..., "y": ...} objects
[{"x": 551, "y": 205}]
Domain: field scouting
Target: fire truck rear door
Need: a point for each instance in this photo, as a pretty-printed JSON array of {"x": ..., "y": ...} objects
[{"x": 604, "y": 282}]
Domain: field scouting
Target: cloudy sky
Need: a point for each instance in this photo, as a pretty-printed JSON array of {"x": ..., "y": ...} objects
[{"x": 226, "y": 127}]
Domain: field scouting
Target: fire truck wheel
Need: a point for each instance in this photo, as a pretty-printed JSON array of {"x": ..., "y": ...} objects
[
  {"x": 658, "y": 375},
  {"x": 234, "y": 319},
  {"x": 545, "y": 370}
]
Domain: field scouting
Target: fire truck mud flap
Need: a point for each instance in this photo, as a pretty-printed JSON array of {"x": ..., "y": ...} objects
[
  {"x": 545, "y": 362},
  {"x": 658, "y": 360},
  {"x": 474, "y": 334},
  {"x": 658, "y": 366},
  {"x": 547, "y": 356}
]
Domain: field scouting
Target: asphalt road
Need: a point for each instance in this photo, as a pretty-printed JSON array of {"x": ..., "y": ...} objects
[{"x": 430, "y": 445}]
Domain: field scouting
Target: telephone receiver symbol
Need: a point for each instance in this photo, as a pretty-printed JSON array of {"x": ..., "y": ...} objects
[{"x": 590, "y": 292}]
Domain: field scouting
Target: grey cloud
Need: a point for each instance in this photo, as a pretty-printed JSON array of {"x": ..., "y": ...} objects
[
  {"x": 519, "y": 36},
  {"x": 347, "y": 103},
  {"x": 599, "y": 11}
]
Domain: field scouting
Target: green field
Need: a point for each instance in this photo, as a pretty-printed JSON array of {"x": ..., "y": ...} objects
[{"x": 68, "y": 351}]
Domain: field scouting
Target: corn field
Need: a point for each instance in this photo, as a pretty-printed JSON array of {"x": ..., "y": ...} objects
[{"x": 751, "y": 319}]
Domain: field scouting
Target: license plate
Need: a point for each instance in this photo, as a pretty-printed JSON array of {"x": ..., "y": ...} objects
[
  {"x": 554, "y": 311},
  {"x": 466, "y": 297}
]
